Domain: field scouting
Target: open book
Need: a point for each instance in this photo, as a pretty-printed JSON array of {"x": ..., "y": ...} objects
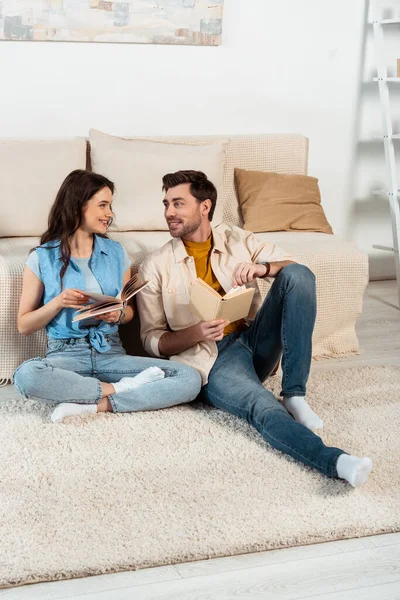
[
  {"x": 103, "y": 304},
  {"x": 209, "y": 305}
]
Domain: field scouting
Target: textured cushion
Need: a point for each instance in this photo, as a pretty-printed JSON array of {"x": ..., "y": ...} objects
[
  {"x": 31, "y": 174},
  {"x": 281, "y": 153},
  {"x": 137, "y": 167},
  {"x": 280, "y": 202}
]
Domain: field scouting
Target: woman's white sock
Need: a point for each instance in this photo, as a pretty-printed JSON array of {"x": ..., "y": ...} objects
[
  {"x": 353, "y": 469},
  {"x": 298, "y": 407},
  {"x": 127, "y": 384},
  {"x": 69, "y": 409}
]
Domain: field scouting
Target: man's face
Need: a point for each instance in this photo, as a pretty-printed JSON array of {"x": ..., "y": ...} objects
[{"x": 183, "y": 213}]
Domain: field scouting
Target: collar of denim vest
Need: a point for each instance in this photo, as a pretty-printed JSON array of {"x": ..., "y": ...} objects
[
  {"x": 99, "y": 246},
  {"x": 180, "y": 250}
]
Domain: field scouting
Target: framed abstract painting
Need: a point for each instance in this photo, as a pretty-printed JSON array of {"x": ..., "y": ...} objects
[{"x": 188, "y": 22}]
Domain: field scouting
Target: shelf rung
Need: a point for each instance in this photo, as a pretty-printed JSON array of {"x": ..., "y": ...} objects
[
  {"x": 378, "y": 138},
  {"x": 389, "y": 22},
  {"x": 387, "y": 79},
  {"x": 380, "y": 192},
  {"x": 388, "y": 248}
]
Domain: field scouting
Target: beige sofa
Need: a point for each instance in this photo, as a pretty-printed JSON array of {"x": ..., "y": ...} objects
[{"x": 341, "y": 268}]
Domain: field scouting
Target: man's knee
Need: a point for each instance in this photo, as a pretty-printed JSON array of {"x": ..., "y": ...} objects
[{"x": 299, "y": 274}]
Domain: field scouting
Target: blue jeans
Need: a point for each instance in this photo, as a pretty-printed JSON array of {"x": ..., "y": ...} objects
[
  {"x": 73, "y": 369},
  {"x": 283, "y": 326}
]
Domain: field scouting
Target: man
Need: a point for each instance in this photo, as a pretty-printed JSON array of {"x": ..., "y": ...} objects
[{"x": 233, "y": 358}]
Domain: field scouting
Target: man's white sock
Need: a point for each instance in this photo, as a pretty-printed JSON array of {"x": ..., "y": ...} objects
[
  {"x": 299, "y": 409},
  {"x": 353, "y": 469},
  {"x": 127, "y": 384},
  {"x": 69, "y": 409}
]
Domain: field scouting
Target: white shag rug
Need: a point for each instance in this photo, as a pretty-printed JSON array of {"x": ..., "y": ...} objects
[{"x": 105, "y": 493}]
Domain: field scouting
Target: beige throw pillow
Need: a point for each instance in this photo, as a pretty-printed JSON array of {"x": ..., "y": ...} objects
[
  {"x": 137, "y": 167},
  {"x": 31, "y": 172},
  {"x": 280, "y": 202}
]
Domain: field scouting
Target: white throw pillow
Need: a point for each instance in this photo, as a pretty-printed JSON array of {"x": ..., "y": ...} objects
[
  {"x": 31, "y": 173},
  {"x": 137, "y": 167}
]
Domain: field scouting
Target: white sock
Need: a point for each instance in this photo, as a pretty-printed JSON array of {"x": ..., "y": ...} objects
[
  {"x": 299, "y": 409},
  {"x": 69, "y": 409},
  {"x": 353, "y": 469},
  {"x": 127, "y": 384}
]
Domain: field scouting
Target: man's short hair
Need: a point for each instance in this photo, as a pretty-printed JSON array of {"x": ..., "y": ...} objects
[{"x": 200, "y": 187}]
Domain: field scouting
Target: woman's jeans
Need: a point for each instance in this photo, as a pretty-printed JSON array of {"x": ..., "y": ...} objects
[
  {"x": 283, "y": 326},
  {"x": 73, "y": 369}
]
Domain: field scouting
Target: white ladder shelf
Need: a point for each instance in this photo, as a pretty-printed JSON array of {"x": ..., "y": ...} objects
[{"x": 393, "y": 190}]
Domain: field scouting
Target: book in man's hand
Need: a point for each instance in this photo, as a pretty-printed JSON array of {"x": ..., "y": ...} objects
[
  {"x": 103, "y": 304},
  {"x": 207, "y": 304}
]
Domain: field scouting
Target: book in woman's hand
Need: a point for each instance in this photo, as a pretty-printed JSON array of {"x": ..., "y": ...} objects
[{"x": 103, "y": 304}]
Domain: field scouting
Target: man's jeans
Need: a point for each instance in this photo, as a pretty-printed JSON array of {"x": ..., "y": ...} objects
[
  {"x": 283, "y": 325},
  {"x": 72, "y": 372}
]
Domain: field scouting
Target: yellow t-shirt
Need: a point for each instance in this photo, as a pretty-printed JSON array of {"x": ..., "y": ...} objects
[{"x": 201, "y": 252}]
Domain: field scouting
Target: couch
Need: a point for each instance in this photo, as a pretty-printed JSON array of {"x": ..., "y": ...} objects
[{"x": 340, "y": 267}]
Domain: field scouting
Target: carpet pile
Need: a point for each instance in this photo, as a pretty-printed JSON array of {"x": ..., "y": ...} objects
[{"x": 106, "y": 493}]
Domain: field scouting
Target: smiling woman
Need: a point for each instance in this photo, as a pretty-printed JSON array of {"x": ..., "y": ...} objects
[{"x": 86, "y": 368}]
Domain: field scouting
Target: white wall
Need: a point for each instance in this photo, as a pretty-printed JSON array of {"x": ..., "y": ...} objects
[{"x": 284, "y": 66}]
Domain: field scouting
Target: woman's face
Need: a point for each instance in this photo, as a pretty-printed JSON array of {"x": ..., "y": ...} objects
[{"x": 97, "y": 212}]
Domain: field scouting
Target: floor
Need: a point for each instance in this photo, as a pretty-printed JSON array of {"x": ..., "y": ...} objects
[{"x": 364, "y": 568}]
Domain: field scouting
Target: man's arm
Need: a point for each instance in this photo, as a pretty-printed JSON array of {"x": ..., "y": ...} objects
[
  {"x": 157, "y": 338},
  {"x": 174, "y": 342},
  {"x": 260, "y": 253},
  {"x": 246, "y": 272}
]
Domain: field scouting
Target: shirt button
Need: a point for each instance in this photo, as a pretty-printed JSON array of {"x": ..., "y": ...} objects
[
  {"x": 170, "y": 291},
  {"x": 213, "y": 355},
  {"x": 192, "y": 282}
]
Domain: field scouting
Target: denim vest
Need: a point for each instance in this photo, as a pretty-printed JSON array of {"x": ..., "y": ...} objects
[{"x": 106, "y": 264}]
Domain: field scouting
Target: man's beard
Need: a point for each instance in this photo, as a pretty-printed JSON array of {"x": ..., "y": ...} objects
[{"x": 187, "y": 229}]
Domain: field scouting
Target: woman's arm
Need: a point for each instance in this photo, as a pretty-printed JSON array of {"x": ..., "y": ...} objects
[
  {"x": 30, "y": 317},
  {"x": 113, "y": 317}
]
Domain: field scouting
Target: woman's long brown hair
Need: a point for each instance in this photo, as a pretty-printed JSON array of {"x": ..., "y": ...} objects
[{"x": 65, "y": 215}]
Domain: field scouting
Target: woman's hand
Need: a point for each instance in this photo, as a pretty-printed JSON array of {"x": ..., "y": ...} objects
[
  {"x": 71, "y": 298},
  {"x": 110, "y": 317}
]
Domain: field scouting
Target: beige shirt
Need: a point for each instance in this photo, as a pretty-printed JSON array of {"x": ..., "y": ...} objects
[{"x": 164, "y": 304}]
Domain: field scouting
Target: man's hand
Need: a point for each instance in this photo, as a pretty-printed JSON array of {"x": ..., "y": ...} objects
[
  {"x": 213, "y": 331},
  {"x": 247, "y": 272}
]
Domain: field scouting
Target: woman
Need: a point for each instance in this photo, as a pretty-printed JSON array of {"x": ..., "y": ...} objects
[{"x": 86, "y": 368}]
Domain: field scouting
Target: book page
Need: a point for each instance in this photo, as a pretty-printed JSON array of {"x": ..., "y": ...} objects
[
  {"x": 235, "y": 290},
  {"x": 236, "y": 306},
  {"x": 203, "y": 302},
  {"x": 98, "y": 308},
  {"x": 97, "y": 297}
]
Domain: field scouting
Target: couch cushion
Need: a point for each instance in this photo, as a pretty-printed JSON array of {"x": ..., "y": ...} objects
[
  {"x": 137, "y": 167},
  {"x": 281, "y": 153},
  {"x": 31, "y": 174},
  {"x": 280, "y": 202}
]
